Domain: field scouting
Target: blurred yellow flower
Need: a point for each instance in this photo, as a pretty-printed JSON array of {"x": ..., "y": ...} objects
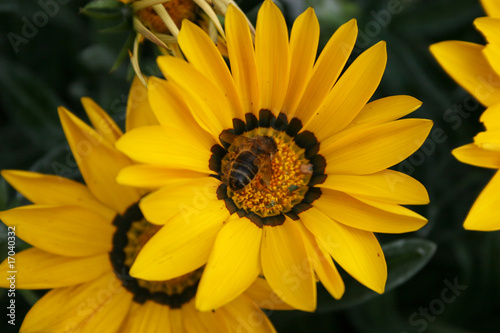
[
  {"x": 86, "y": 237},
  {"x": 477, "y": 69},
  {"x": 159, "y": 21}
]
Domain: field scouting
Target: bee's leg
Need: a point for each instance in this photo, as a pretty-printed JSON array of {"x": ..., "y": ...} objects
[
  {"x": 306, "y": 169},
  {"x": 265, "y": 176}
]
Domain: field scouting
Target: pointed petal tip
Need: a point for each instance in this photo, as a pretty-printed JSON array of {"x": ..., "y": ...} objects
[
  {"x": 62, "y": 111},
  {"x": 7, "y": 173},
  {"x": 137, "y": 270},
  {"x": 440, "y": 49},
  {"x": 473, "y": 223},
  {"x": 188, "y": 27},
  {"x": 310, "y": 11},
  {"x": 456, "y": 152},
  {"x": 379, "y": 289},
  {"x": 426, "y": 122},
  {"x": 231, "y": 9},
  {"x": 203, "y": 305},
  {"x": 352, "y": 24},
  {"x": 439, "y": 46}
]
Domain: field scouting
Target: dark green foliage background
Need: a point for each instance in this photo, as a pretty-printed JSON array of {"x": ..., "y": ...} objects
[{"x": 70, "y": 57}]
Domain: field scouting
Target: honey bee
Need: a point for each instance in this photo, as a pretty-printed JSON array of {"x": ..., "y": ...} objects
[{"x": 253, "y": 156}]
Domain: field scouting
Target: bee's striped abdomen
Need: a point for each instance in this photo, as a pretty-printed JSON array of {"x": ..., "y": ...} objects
[{"x": 243, "y": 170}]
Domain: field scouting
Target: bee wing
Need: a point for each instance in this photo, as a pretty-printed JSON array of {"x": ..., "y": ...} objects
[{"x": 234, "y": 139}]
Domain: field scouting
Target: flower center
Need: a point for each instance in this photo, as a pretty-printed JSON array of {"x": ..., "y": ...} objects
[
  {"x": 178, "y": 10},
  {"x": 268, "y": 168},
  {"x": 278, "y": 180},
  {"x": 132, "y": 233}
]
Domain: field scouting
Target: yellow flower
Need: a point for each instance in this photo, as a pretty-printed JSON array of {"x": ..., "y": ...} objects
[
  {"x": 477, "y": 69},
  {"x": 317, "y": 183},
  {"x": 85, "y": 238},
  {"x": 159, "y": 22}
]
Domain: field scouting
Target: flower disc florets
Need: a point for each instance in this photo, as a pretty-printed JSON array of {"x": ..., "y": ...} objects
[
  {"x": 132, "y": 233},
  {"x": 281, "y": 184}
]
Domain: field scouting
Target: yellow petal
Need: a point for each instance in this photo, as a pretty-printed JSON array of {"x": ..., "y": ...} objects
[
  {"x": 43, "y": 270},
  {"x": 385, "y": 109},
  {"x": 285, "y": 265},
  {"x": 490, "y": 28},
  {"x": 357, "y": 251},
  {"x": 172, "y": 111},
  {"x": 261, "y": 292},
  {"x": 387, "y": 185},
  {"x": 55, "y": 190},
  {"x": 492, "y": 53},
  {"x": 327, "y": 69},
  {"x": 100, "y": 120},
  {"x": 182, "y": 245},
  {"x": 466, "y": 64},
  {"x": 153, "y": 176},
  {"x": 210, "y": 322},
  {"x": 376, "y": 148},
  {"x": 243, "y": 315},
  {"x": 176, "y": 321},
  {"x": 354, "y": 213},
  {"x": 242, "y": 59},
  {"x": 185, "y": 196},
  {"x": 99, "y": 163},
  {"x": 168, "y": 147},
  {"x": 63, "y": 230},
  {"x": 388, "y": 207},
  {"x": 350, "y": 94},
  {"x": 139, "y": 112},
  {"x": 491, "y": 117},
  {"x": 201, "y": 52},
  {"x": 271, "y": 56},
  {"x": 149, "y": 317},
  {"x": 472, "y": 154},
  {"x": 489, "y": 140},
  {"x": 233, "y": 266},
  {"x": 324, "y": 267},
  {"x": 483, "y": 215},
  {"x": 204, "y": 97},
  {"x": 97, "y": 306},
  {"x": 303, "y": 47},
  {"x": 492, "y": 7}
]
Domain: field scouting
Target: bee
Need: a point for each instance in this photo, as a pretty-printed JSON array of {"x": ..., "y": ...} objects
[{"x": 253, "y": 156}]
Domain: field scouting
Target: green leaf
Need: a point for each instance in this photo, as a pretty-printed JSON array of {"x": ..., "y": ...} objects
[
  {"x": 404, "y": 257},
  {"x": 104, "y": 9},
  {"x": 102, "y": 4},
  {"x": 124, "y": 55}
]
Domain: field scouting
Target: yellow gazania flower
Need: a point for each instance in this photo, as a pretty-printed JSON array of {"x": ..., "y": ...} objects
[
  {"x": 328, "y": 189},
  {"x": 86, "y": 237},
  {"x": 477, "y": 69}
]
